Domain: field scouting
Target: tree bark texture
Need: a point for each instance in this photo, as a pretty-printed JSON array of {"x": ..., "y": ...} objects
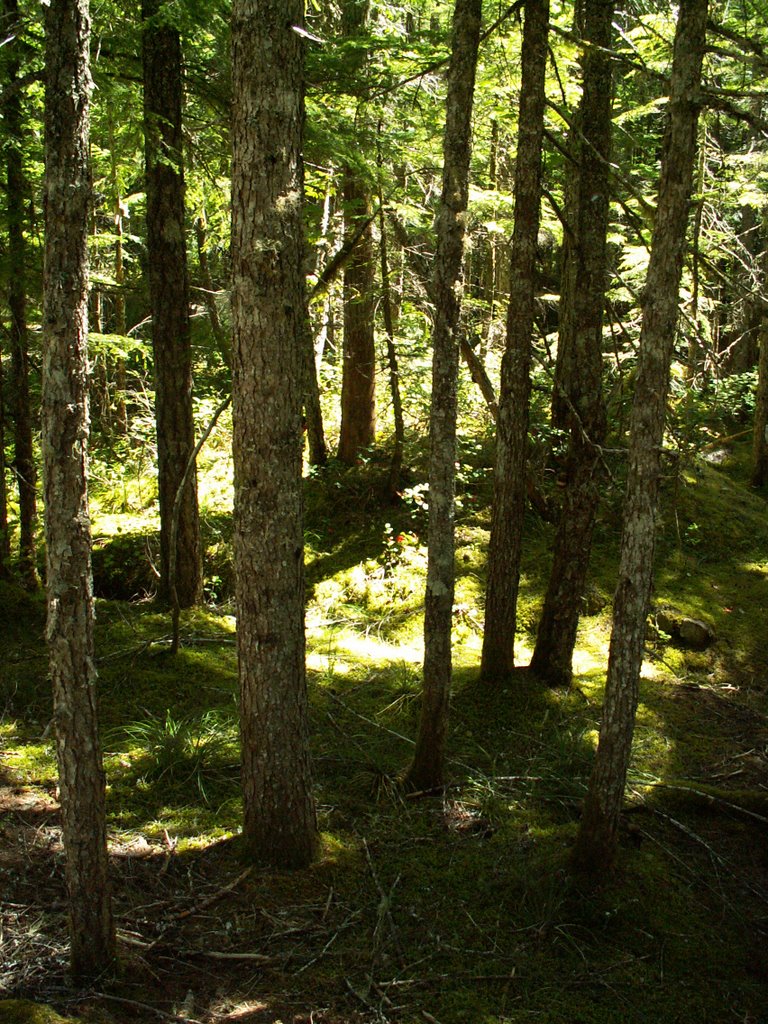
[
  {"x": 387, "y": 309},
  {"x": 5, "y": 537},
  {"x": 760, "y": 429},
  {"x": 358, "y": 383},
  {"x": 169, "y": 299},
  {"x": 65, "y": 468},
  {"x": 510, "y": 487},
  {"x": 581, "y": 336},
  {"x": 427, "y": 770},
  {"x": 268, "y": 310},
  {"x": 24, "y": 458},
  {"x": 358, "y": 375},
  {"x": 596, "y": 843}
]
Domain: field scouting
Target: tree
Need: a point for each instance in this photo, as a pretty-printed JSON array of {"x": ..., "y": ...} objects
[
  {"x": 580, "y": 352},
  {"x": 5, "y": 537},
  {"x": 65, "y": 471},
  {"x": 169, "y": 299},
  {"x": 427, "y": 769},
  {"x": 505, "y": 546},
  {"x": 358, "y": 386},
  {"x": 760, "y": 429},
  {"x": 596, "y": 843},
  {"x": 268, "y": 311},
  {"x": 24, "y": 466}
]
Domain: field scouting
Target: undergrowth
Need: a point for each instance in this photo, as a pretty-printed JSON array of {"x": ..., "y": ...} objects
[{"x": 453, "y": 909}]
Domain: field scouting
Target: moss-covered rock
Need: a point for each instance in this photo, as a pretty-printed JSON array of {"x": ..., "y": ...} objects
[{"x": 21, "y": 1011}]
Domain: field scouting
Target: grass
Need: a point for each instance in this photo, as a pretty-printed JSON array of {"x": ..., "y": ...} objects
[{"x": 454, "y": 909}]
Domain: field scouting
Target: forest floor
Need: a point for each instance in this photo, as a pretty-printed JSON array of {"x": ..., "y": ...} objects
[{"x": 451, "y": 909}]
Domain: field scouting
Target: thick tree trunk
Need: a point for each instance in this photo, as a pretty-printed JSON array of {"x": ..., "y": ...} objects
[
  {"x": 169, "y": 298},
  {"x": 24, "y": 458},
  {"x": 596, "y": 843},
  {"x": 269, "y": 315},
  {"x": 358, "y": 384},
  {"x": 427, "y": 770},
  {"x": 512, "y": 419},
  {"x": 65, "y": 467},
  {"x": 581, "y": 335}
]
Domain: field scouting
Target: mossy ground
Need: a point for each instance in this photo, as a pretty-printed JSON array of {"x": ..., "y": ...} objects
[{"x": 454, "y": 909}]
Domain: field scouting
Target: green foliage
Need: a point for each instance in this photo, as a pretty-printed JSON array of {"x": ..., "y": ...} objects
[{"x": 178, "y": 752}]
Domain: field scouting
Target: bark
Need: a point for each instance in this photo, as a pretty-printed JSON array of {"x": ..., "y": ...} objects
[
  {"x": 581, "y": 335},
  {"x": 760, "y": 432},
  {"x": 220, "y": 336},
  {"x": 428, "y": 767},
  {"x": 358, "y": 380},
  {"x": 269, "y": 317},
  {"x": 121, "y": 327},
  {"x": 24, "y": 458},
  {"x": 396, "y": 465},
  {"x": 512, "y": 420},
  {"x": 65, "y": 468},
  {"x": 596, "y": 843},
  {"x": 358, "y": 385},
  {"x": 169, "y": 299},
  {"x": 5, "y": 537}
]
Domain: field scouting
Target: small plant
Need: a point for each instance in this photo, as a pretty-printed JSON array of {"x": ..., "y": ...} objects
[{"x": 178, "y": 751}]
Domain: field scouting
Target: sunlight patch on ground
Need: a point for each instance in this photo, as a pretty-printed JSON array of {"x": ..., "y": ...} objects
[{"x": 360, "y": 649}]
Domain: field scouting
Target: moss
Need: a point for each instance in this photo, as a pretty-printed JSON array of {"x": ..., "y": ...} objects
[{"x": 20, "y": 1011}]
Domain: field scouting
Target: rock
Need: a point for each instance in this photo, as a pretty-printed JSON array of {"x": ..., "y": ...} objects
[
  {"x": 691, "y": 632},
  {"x": 696, "y": 633},
  {"x": 21, "y": 1011}
]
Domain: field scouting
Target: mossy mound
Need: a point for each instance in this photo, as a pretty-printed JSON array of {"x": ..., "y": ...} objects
[{"x": 20, "y": 1011}]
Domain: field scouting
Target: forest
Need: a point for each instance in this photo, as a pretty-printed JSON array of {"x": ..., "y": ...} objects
[{"x": 383, "y": 534}]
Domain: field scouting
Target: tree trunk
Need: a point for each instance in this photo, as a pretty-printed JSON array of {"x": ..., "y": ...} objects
[
  {"x": 24, "y": 458},
  {"x": 169, "y": 298},
  {"x": 5, "y": 537},
  {"x": 65, "y": 468},
  {"x": 512, "y": 418},
  {"x": 760, "y": 434},
  {"x": 120, "y": 324},
  {"x": 358, "y": 384},
  {"x": 596, "y": 843},
  {"x": 396, "y": 465},
  {"x": 269, "y": 317},
  {"x": 428, "y": 767},
  {"x": 358, "y": 375},
  {"x": 581, "y": 335}
]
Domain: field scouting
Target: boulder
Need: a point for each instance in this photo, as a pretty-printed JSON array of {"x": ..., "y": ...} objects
[{"x": 690, "y": 632}]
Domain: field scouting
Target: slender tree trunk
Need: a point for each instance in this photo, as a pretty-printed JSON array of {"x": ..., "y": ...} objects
[
  {"x": 596, "y": 843},
  {"x": 428, "y": 767},
  {"x": 581, "y": 334},
  {"x": 396, "y": 465},
  {"x": 269, "y": 318},
  {"x": 760, "y": 434},
  {"x": 121, "y": 327},
  {"x": 65, "y": 468},
  {"x": 512, "y": 418},
  {"x": 169, "y": 297},
  {"x": 5, "y": 537},
  {"x": 24, "y": 458},
  {"x": 358, "y": 383},
  {"x": 313, "y": 413},
  {"x": 358, "y": 377},
  {"x": 220, "y": 336}
]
